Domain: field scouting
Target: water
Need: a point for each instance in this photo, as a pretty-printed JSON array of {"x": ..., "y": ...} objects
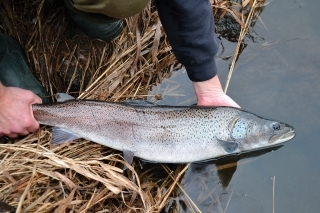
[{"x": 276, "y": 77}]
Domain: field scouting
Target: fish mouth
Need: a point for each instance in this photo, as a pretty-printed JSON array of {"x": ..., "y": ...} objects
[{"x": 285, "y": 134}]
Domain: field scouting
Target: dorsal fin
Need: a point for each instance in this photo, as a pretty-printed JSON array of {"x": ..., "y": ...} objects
[
  {"x": 139, "y": 103},
  {"x": 61, "y": 97}
]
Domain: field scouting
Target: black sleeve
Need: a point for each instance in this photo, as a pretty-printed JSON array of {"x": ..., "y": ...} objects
[{"x": 189, "y": 25}]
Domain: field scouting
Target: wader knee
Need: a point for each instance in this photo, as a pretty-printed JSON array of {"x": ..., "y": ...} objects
[{"x": 102, "y": 18}]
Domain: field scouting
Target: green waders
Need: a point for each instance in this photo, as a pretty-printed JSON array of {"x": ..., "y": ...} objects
[{"x": 14, "y": 69}]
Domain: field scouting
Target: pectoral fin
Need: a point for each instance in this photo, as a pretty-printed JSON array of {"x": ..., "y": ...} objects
[
  {"x": 128, "y": 156},
  {"x": 229, "y": 146},
  {"x": 60, "y": 135}
]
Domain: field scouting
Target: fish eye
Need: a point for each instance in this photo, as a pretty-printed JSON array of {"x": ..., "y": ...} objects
[{"x": 276, "y": 126}]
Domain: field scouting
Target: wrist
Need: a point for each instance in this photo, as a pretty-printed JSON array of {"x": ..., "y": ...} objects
[
  {"x": 210, "y": 87},
  {"x": 210, "y": 93}
]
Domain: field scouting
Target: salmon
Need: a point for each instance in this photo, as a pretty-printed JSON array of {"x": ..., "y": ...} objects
[{"x": 166, "y": 134}]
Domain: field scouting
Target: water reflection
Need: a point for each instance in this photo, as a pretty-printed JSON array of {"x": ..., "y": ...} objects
[{"x": 204, "y": 186}]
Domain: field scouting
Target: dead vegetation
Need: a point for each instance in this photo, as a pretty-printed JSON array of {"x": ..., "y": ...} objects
[{"x": 82, "y": 176}]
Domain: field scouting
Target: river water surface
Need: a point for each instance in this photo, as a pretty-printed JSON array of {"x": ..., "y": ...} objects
[{"x": 277, "y": 76}]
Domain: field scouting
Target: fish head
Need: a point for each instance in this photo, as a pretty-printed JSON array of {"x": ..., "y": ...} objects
[{"x": 254, "y": 132}]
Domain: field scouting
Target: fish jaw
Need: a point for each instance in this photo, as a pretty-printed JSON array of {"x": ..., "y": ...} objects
[{"x": 287, "y": 133}]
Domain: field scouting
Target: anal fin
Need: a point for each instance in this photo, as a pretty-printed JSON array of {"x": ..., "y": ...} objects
[{"x": 60, "y": 136}]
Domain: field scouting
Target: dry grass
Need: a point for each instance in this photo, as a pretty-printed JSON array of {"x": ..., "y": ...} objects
[{"x": 82, "y": 176}]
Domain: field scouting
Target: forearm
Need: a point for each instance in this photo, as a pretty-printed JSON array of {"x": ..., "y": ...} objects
[{"x": 189, "y": 25}]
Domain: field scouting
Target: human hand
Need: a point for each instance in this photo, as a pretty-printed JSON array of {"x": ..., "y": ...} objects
[
  {"x": 210, "y": 93},
  {"x": 16, "y": 115}
]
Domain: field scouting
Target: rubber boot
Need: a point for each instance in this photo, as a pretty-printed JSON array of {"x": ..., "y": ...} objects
[
  {"x": 14, "y": 70},
  {"x": 102, "y": 18},
  {"x": 105, "y": 32},
  {"x": 95, "y": 25}
]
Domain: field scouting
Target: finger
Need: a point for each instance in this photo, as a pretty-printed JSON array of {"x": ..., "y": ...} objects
[
  {"x": 37, "y": 100},
  {"x": 35, "y": 124},
  {"x": 12, "y": 135},
  {"x": 17, "y": 131},
  {"x": 33, "y": 98},
  {"x": 23, "y": 133},
  {"x": 232, "y": 103},
  {"x": 33, "y": 127}
]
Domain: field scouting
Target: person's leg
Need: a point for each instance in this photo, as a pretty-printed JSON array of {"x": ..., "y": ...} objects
[
  {"x": 102, "y": 19},
  {"x": 14, "y": 70}
]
